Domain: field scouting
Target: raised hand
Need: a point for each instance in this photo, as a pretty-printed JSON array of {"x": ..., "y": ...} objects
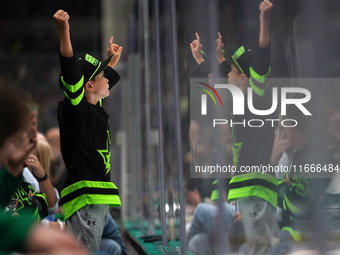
[
  {"x": 196, "y": 48},
  {"x": 113, "y": 49},
  {"x": 265, "y": 10},
  {"x": 61, "y": 19},
  {"x": 219, "y": 46},
  {"x": 34, "y": 165},
  {"x": 281, "y": 144}
]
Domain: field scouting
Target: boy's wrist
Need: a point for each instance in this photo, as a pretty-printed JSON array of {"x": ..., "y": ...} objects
[
  {"x": 63, "y": 34},
  {"x": 265, "y": 17},
  {"x": 221, "y": 59},
  {"x": 199, "y": 60}
]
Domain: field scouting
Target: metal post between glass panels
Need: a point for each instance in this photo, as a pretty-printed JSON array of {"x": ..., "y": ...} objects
[
  {"x": 160, "y": 125},
  {"x": 135, "y": 166},
  {"x": 221, "y": 246},
  {"x": 147, "y": 80},
  {"x": 178, "y": 132}
]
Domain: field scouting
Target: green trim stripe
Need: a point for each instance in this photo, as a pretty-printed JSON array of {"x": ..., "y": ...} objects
[
  {"x": 295, "y": 234},
  {"x": 257, "y": 77},
  {"x": 42, "y": 195},
  {"x": 237, "y": 64},
  {"x": 73, "y": 88},
  {"x": 205, "y": 55},
  {"x": 77, "y": 100},
  {"x": 74, "y": 205},
  {"x": 237, "y": 54},
  {"x": 251, "y": 191},
  {"x": 87, "y": 184},
  {"x": 100, "y": 63},
  {"x": 290, "y": 206},
  {"x": 225, "y": 54},
  {"x": 214, "y": 195},
  {"x": 256, "y": 175},
  {"x": 256, "y": 89}
]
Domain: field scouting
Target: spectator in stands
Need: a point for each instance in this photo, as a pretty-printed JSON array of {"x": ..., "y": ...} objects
[
  {"x": 112, "y": 241},
  {"x": 201, "y": 231},
  {"x": 17, "y": 140}
]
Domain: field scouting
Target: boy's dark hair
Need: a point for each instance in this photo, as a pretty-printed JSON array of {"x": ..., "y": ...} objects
[{"x": 14, "y": 113}]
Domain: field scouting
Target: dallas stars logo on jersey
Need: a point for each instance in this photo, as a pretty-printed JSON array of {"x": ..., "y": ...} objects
[{"x": 106, "y": 154}]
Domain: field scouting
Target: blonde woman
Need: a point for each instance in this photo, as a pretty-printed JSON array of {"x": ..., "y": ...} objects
[{"x": 39, "y": 165}]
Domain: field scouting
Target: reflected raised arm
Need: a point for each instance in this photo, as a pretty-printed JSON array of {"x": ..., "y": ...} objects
[
  {"x": 196, "y": 47},
  {"x": 265, "y": 10}
]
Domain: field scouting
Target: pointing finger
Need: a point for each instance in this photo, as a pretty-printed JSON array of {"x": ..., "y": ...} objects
[{"x": 197, "y": 37}]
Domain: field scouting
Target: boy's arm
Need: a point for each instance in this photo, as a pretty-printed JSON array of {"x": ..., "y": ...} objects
[
  {"x": 261, "y": 63},
  {"x": 71, "y": 73},
  {"x": 224, "y": 67},
  {"x": 61, "y": 18},
  {"x": 204, "y": 67},
  {"x": 265, "y": 10}
]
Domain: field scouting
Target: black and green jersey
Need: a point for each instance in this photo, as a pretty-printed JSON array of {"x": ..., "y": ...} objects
[
  {"x": 252, "y": 146},
  {"x": 28, "y": 201},
  {"x": 8, "y": 185},
  {"x": 85, "y": 142}
]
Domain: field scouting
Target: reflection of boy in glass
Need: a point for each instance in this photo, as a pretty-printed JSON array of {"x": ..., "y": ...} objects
[{"x": 256, "y": 192}]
